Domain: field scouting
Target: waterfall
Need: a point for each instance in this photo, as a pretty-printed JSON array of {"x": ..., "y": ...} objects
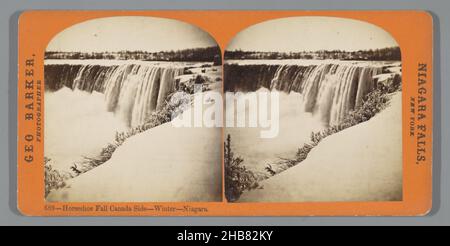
[
  {"x": 131, "y": 91},
  {"x": 329, "y": 91}
]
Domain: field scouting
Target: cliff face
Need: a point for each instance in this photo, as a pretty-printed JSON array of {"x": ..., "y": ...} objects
[{"x": 361, "y": 163}]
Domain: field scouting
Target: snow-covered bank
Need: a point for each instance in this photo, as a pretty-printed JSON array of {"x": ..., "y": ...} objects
[
  {"x": 361, "y": 163},
  {"x": 162, "y": 164}
]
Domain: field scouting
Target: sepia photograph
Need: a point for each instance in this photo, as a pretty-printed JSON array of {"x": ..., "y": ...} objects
[
  {"x": 112, "y": 88},
  {"x": 329, "y": 91}
]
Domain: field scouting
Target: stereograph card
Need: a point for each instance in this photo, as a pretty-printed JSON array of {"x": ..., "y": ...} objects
[{"x": 225, "y": 113}]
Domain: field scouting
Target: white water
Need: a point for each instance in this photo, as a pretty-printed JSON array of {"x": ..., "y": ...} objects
[
  {"x": 131, "y": 91},
  {"x": 316, "y": 96},
  {"x": 295, "y": 127},
  {"x": 76, "y": 125},
  {"x": 329, "y": 91},
  {"x": 104, "y": 97}
]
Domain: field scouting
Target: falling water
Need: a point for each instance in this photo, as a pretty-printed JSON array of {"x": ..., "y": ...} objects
[
  {"x": 131, "y": 91},
  {"x": 330, "y": 91}
]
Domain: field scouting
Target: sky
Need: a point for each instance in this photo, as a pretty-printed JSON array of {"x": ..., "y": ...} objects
[
  {"x": 130, "y": 33},
  {"x": 311, "y": 34}
]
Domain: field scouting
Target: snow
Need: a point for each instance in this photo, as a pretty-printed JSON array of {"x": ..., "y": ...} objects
[
  {"x": 163, "y": 164},
  {"x": 361, "y": 163}
]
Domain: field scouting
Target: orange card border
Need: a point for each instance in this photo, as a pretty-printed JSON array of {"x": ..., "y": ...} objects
[{"x": 413, "y": 31}]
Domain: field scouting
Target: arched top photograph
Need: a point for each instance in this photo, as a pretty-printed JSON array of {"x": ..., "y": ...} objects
[{"x": 125, "y": 79}]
